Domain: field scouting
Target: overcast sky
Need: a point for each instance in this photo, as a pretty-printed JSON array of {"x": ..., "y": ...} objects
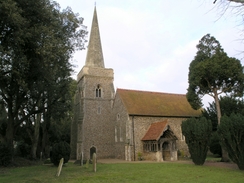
[{"x": 150, "y": 44}]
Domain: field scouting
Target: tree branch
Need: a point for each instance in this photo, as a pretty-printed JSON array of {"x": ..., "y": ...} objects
[{"x": 236, "y": 1}]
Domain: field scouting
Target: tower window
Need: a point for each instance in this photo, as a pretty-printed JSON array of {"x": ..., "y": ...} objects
[
  {"x": 98, "y": 91},
  {"x": 99, "y": 110}
]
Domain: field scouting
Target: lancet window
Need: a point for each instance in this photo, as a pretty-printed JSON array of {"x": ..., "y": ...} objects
[{"x": 98, "y": 91}]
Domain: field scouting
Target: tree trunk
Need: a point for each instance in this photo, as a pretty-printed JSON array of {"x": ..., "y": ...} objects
[
  {"x": 45, "y": 135},
  {"x": 35, "y": 137},
  {"x": 216, "y": 99},
  {"x": 9, "y": 136},
  {"x": 224, "y": 157},
  {"x": 45, "y": 141}
]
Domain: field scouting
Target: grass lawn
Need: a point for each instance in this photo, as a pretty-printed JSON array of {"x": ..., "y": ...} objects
[{"x": 124, "y": 172}]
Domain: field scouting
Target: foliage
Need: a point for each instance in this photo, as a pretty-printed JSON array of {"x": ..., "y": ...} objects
[
  {"x": 139, "y": 156},
  {"x": 125, "y": 172},
  {"x": 3, "y": 121},
  {"x": 211, "y": 114},
  {"x": 61, "y": 117},
  {"x": 231, "y": 131},
  {"x": 197, "y": 133},
  {"x": 37, "y": 41},
  {"x": 60, "y": 150},
  {"x": 22, "y": 149},
  {"x": 212, "y": 72},
  {"x": 5, "y": 155},
  {"x": 214, "y": 145},
  {"x": 229, "y": 104}
]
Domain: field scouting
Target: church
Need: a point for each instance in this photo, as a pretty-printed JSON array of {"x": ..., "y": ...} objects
[{"x": 124, "y": 124}]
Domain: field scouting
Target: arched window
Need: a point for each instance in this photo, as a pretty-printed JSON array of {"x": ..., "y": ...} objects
[
  {"x": 92, "y": 151},
  {"x": 98, "y": 91}
]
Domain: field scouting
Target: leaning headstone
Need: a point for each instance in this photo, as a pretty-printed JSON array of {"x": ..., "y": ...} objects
[
  {"x": 60, "y": 167},
  {"x": 87, "y": 163},
  {"x": 94, "y": 160},
  {"x": 81, "y": 159}
]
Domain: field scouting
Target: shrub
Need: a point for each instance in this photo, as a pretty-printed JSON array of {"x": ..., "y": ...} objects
[
  {"x": 139, "y": 156},
  {"x": 5, "y": 155},
  {"x": 22, "y": 149},
  {"x": 60, "y": 150},
  {"x": 231, "y": 132},
  {"x": 214, "y": 145},
  {"x": 181, "y": 153},
  {"x": 197, "y": 133}
]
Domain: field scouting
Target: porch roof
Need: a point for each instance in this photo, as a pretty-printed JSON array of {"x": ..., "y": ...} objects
[{"x": 155, "y": 130}]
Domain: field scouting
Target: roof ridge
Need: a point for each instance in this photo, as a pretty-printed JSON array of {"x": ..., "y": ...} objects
[{"x": 152, "y": 92}]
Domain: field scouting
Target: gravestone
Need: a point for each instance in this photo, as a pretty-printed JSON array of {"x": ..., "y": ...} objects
[
  {"x": 94, "y": 160},
  {"x": 60, "y": 167},
  {"x": 87, "y": 163},
  {"x": 81, "y": 159}
]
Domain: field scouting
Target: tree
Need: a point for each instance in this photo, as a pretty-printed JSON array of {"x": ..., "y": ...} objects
[
  {"x": 37, "y": 41},
  {"x": 212, "y": 72},
  {"x": 60, "y": 150},
  {"x": 231, "y": 131},
  {"x": 236, "y": 1},
  {"x": 58, "y": 120},
  {"x": 229, "y": 105},
  {"x": 197, "y": 133}
]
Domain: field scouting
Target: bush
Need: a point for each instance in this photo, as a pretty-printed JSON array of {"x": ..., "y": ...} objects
[
  {"x": 214, "y": 145},
  {"x": 197, "y": 133},
  {"x": 60, "y": 150},
  {"x": 5, "y": 155},
  {"x": 22, "y": 149},
  {"x": 231, "y": 132}
]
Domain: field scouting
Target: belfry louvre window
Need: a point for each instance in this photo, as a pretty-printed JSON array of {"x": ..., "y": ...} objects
[{"x": 98, "y": 91}]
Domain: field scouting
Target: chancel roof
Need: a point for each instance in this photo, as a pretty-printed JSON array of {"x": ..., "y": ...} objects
[
  {"x": 147, "y": 103},
  {"x": 155, "y": 131}
]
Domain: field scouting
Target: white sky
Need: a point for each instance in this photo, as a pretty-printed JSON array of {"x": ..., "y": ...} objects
[{"x": 150, "y": 44}]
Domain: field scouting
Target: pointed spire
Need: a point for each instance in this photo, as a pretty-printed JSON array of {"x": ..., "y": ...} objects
[{"x": 94, "y": 57}]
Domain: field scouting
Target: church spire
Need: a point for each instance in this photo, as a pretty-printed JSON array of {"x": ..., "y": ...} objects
[{"x": 94, "y": 57}]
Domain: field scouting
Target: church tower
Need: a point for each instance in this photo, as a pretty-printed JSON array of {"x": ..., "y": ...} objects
[{"x": 92, "y": 129}]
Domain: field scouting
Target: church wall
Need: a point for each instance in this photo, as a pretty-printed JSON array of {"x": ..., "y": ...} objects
[
  {"x": 120, "y": 119},
  {"x": 153, "y": 156}
]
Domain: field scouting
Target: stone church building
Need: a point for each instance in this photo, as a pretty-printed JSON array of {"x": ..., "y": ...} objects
[{"x": 126, "y": 124}]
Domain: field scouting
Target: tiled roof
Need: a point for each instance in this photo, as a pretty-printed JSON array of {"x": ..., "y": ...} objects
[
  {"x": 156, "y": 104},
  {"x": 155, "y": 131}
]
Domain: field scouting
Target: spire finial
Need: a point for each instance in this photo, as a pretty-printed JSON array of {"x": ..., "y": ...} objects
[{"x": 95, "y": 3}]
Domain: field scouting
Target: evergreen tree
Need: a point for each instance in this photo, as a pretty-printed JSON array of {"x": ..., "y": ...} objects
[
  {"x": 231, "y": 131},
  {"x": 229, "y": 105},
  {"x": 213, "y": 73},
  {"x": 197, "y": 133}
]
